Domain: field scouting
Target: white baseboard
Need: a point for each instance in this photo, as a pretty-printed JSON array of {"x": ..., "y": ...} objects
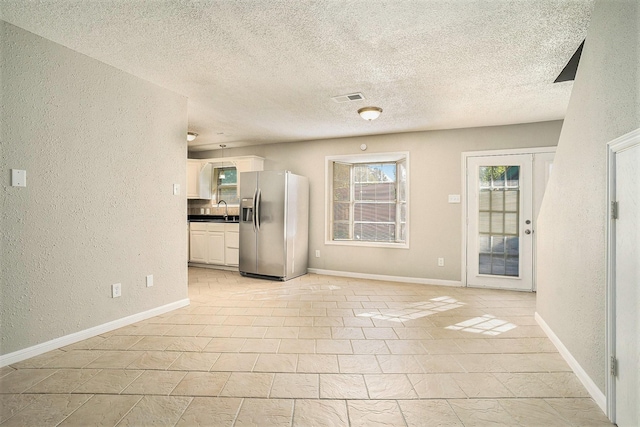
[
  {"x": 402, "y": 279},
  {"x": 595, "y": 392},
  {"x": 66, "y": 340}
]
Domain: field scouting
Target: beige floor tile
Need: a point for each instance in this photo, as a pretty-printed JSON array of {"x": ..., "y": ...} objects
[
  {"x": 298, "y": 386},
  {"x": 156, "y": 410},
  {"x": 157, "y": 343},
  {"x": 217, "y": 331},
  {"x": 399, "y": 364},
  {"x": 10, "y": 404},
  {"x": 328, "y": 321},
  {"x": 298, "y": 321},
  {"x": 436, "y": 386},
  {"x": 318, "y": 363},
  {"x": 38, "y": 361},
  {"x": 109, "y": 381},
  {"x": 412, "y": 333},
  {"x": 235, "y": 362},
  {"x": 248, "y": 384},
  {"x": 341, "y": 333},
  {"x": 358, "y": 364},
  {"x": 185, "y": 331},
  {"x": 193, "y": 361},
  {"x": 210, "y": 412},
  {"x": 87, "y": 344},
  {"x": 239, "y": 320},
  {"x": 225, "y": 345},
  {"x": 254, "y": 345},
  {"x": 482, "y": 413},
  {"x": 374, "y": 413},
  {"x": 47, "y": 410},
  {"x": 276, "y": 363},
  {"x": 201, "y": 384},
  {"x": 517, "y": 363},
  {"x": 357, "y": 322},
  {"x": 314, "y": 332},
  {"x": 101, "y": 410},
  {"x": 533, "y": 412},
  {"x": 389, "y": 386},
  {"x": 579, "y": 412},
  {"x": 249, "y": 332},
  {"x": 115, "y": 359},
  {"x": 441, "y": 346},
  {"x": 290, "y": 332},
  {"x": 479, "y": 385},
  {"x": 333, "y": 346},
  {"x": 527, "y": 385},
  {"x": 320, "y": 413},
  {"x": 405, "y": 347},
  {"x": 265, "y": 413},
  {"x": 6, "y": 370},
  {"x": 299, "y": 346},
  {"x": 268, "y": 321},
  {"x": 438, "y": 363},
  {"x": 343, "y": 386},
  {"x": 22, "y": 379},
  {"x": 369, "y": 347},
  {"x": 565, "y": 384},
  {"x": 74, "y": 359},
  {"x": 480, "y": 362},
  {"x": 551, "y": 362},
  {"x": 118, "y": 342},
  {"x": 154, "y": 360},
  {"x": 155, "y": 382},
  {"x": 189, "y": 344},
  {"x": 418, "y": 413},
  {"x": 63, "y": 381}
]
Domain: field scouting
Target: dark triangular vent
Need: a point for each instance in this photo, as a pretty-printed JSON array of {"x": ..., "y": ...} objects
[{"x": 568, "y": 73}]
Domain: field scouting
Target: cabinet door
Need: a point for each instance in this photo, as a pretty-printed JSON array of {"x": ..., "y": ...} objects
[
  {"x": 232, "y": 252},
  {"x": 193, "y": 175},
  {"x": 198, "y": 246},
  {"x": 215, "y": 246}
]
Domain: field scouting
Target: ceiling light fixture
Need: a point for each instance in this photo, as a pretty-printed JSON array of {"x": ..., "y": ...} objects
[
  {"x": 191, "y": 136},
  {"x": 370, "y": 113}
]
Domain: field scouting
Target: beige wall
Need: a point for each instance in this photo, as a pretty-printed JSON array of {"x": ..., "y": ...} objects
[
  {"x": 101, "y": 149},
  {"x": 435, "y": 172},
  {"x": 605, "y": 104}
]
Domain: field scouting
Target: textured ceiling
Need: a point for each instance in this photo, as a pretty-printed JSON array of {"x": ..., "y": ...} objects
[{"x": 261, "y": 71}]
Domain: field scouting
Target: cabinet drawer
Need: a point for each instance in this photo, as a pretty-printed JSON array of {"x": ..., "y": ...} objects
[
  {"x": 198, "y": 226},
  {"x": 232, "y": 239},
  {"x": 213, "y": 226}
]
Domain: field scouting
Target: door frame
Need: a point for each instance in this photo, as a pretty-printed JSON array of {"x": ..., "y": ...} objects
[
  {"x": 615, "y": 146},
  {"x": 506, "y": 152}
]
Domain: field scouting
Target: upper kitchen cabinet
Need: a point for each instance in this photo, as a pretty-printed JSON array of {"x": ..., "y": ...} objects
[{"x": 199, "y": 179}]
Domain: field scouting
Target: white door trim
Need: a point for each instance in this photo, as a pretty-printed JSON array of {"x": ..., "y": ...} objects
[
  {"x": 465, "y": 156},
  {"x": 619, "y": 144}
]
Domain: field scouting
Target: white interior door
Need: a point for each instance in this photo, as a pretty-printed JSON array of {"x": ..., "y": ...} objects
[
  {"x": 500, "y": 221},
  {"x": 627, "y": 287}
]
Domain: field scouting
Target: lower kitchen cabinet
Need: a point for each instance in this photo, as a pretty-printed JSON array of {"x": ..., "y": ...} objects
[{"x": 214, "y": 243}]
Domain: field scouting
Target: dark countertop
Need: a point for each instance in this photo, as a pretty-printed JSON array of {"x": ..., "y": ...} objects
[{"x": 213, "y": 218}]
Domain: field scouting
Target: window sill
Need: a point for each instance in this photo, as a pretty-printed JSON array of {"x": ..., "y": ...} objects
[{"x": 367, "y": 244}]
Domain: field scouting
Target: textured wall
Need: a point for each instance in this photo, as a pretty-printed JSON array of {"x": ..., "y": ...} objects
[
  {"x": 102, "y": 150},
  {"x": 435, "y": 225},
  {"x": 605, "y": 104}
]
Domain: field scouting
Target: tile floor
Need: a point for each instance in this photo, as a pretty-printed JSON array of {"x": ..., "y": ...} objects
[{"x": 313, "y": 351}]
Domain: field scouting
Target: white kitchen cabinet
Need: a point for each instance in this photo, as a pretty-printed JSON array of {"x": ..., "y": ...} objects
[
  {"x": 198, "y": 179},
  {"x": 214, "y": 243},
  {"x": 232, "y": 246},
  {"x": 198, "y": 246}
]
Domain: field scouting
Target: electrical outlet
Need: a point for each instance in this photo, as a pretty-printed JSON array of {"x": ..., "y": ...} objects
[
  {"x": 149, "y": 280},
  {"x": 317, "y": 254},
  {"x": 440, "y": 262},
  {"x": 116, "y": 290}
]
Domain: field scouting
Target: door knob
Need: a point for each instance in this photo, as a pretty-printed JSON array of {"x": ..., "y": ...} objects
[{"x": 527, "y": 231}]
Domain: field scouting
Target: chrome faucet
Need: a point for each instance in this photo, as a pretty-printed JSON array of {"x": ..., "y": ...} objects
[{"x": 226, "y": 209}]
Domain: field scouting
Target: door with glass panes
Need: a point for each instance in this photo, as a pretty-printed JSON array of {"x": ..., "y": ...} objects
[{"x": 500, "y": 222}]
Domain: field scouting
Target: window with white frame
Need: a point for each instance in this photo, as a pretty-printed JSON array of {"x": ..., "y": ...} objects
[{"x": 368, "y": 199}]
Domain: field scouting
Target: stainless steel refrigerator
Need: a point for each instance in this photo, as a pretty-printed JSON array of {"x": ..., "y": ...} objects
[{"x": 274, "y": 224}]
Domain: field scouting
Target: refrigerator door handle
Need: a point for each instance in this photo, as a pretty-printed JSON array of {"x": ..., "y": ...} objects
[
  {"x": 258, "y": 203},
  {"x": 254, "y": 211}
]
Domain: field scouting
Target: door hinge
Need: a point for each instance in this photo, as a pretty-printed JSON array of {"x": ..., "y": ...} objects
[
  {"x": 613, "y": 366},
  {"x": 614, "y": 210}
]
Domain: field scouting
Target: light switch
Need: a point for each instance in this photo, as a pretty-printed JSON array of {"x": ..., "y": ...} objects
[
  {"x": 454, "y": 198},
  {"x": 18, "y": 178},
  {"x": 176, "y": 189}
]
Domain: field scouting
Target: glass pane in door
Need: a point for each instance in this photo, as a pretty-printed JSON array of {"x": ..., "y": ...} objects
[{"x": 498, "y": 219}]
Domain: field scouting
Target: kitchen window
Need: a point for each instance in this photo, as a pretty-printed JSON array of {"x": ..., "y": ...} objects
[
  {"x": 226, "y": 179},
  {"x": 368, "y": 200}
]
